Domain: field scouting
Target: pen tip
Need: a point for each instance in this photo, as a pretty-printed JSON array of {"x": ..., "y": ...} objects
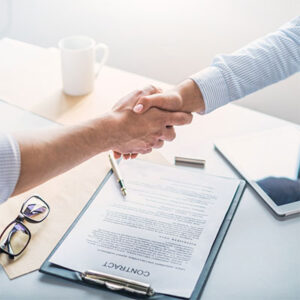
[{"x": 124, "y": 192}]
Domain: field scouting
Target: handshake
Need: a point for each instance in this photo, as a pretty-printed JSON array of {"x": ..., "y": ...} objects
[
  {"x": 139, "y": 122},
  {"x": 144, "y": 119}
]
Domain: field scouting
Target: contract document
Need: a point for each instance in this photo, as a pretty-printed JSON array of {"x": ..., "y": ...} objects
[{"x": 161, "y": 233}]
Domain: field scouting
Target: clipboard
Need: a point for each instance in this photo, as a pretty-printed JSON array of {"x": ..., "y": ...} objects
[{"x": 61, "y": 272}]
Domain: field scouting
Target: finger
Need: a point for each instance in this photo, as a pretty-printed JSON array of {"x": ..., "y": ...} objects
[
  {"x": 126, "y": 156},
  {"x": 117, "y": 155},
  {"x": 167, "y": 101},
  {"x": 147, "y": 91},
  {"x": 168, "y": 134},
  {"x": 130, "y": 100},
  {"x": 150, "y": 90},
  {"x": 134, "y": 155},
  {"x": 178, "y": 118},
  {"x": 159, "y": 144}
]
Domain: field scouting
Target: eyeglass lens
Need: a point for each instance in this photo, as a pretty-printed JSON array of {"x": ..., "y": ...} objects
[
  {"x": 15, "y": 238},
  {"x": 35, "y": 209}
]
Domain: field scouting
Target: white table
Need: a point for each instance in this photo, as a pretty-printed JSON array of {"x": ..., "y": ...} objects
[{"x": 260, "y": 256}]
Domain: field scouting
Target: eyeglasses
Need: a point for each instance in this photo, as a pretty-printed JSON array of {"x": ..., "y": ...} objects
[{"x": 16, "y": 236}]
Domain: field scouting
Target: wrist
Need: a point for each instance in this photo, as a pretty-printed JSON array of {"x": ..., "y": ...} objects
[
  {"x": 191, "y": 96},
  {"x": 101, "y": 134}
]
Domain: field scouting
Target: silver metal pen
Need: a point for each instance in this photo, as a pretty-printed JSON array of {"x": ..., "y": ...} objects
[
  {"x": 116, "y": 170},
  {"x": 179, "y": 160}
]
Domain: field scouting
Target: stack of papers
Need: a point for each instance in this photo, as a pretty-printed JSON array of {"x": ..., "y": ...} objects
[{"x": 160, "y": 234}]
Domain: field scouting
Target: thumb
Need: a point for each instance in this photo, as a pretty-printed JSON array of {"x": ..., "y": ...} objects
[
  {"x": 117, "y": 155},
  {"x": 165, "y": 101}
]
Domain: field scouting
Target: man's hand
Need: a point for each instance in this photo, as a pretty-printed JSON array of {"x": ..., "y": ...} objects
[
  {"x": 186, "y": 97},
  {"x": 136, "y": 133}
]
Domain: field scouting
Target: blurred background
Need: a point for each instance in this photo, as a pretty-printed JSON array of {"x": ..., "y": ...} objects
[{"x": 166, "y": 40}]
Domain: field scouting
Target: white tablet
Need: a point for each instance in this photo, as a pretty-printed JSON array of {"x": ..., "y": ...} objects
[{"x": 270, "y": 162}]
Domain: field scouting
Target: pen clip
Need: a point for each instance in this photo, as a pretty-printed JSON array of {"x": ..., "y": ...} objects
[{"x": 116, "y": 283}]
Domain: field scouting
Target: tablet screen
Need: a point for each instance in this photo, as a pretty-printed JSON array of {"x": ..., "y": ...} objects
[{"x": 271, "y": 159}]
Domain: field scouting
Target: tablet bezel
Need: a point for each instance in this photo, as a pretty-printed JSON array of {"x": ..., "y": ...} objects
[{"x": 280, "y": 211}]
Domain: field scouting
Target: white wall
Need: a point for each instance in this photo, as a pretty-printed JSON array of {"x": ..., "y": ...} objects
[{"x": 163, "y": 39}]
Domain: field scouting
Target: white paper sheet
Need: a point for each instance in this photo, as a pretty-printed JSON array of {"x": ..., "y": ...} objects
[{"x": 161, "y": 233}]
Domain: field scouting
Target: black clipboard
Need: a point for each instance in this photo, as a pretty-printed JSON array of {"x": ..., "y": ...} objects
[{"x": 52, "y": 269}]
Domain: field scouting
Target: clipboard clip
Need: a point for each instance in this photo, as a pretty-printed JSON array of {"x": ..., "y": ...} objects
[{"x": 116, "y": 283}]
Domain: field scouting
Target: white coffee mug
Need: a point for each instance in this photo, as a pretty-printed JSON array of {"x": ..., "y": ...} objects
[{"x": 78, "y": 63}]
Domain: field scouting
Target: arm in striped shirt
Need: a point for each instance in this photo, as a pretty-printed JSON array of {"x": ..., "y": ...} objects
[
  {"x": 231, "y": 77},
  {"x": 259, "y": 64},
  {"x": 9, "y": 165}
]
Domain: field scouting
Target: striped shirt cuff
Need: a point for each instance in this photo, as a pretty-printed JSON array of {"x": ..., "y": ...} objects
[
  {"x": 10, "y": 165},
  {"x": 213, "y": 88}
]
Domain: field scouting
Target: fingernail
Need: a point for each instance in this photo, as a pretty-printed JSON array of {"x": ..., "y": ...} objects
[{"x": 138, "y": 108}]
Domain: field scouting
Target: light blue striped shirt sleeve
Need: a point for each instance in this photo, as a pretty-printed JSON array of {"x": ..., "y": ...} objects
[
  {"x": 10, "y": 164},
  {"x": 259, "y": 64}
]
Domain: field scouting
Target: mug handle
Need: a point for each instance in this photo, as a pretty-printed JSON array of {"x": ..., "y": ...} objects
[{"x": 105, "y": 49}]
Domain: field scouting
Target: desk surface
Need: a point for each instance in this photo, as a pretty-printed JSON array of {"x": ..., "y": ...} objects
[{"x": 260, "y": 257}]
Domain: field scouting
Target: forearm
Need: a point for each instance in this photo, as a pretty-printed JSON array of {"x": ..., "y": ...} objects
[
  {"x": 261, "y": 63},
  {"x": 33, "y": 158},
  {"x": 46, "y": 154}
]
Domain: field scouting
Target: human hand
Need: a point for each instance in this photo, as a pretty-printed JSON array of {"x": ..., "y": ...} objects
[
  {"x": 140, "y": 133},
  {"x": 186, "y": 97},
  {"x": 128, "y": 102}
]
